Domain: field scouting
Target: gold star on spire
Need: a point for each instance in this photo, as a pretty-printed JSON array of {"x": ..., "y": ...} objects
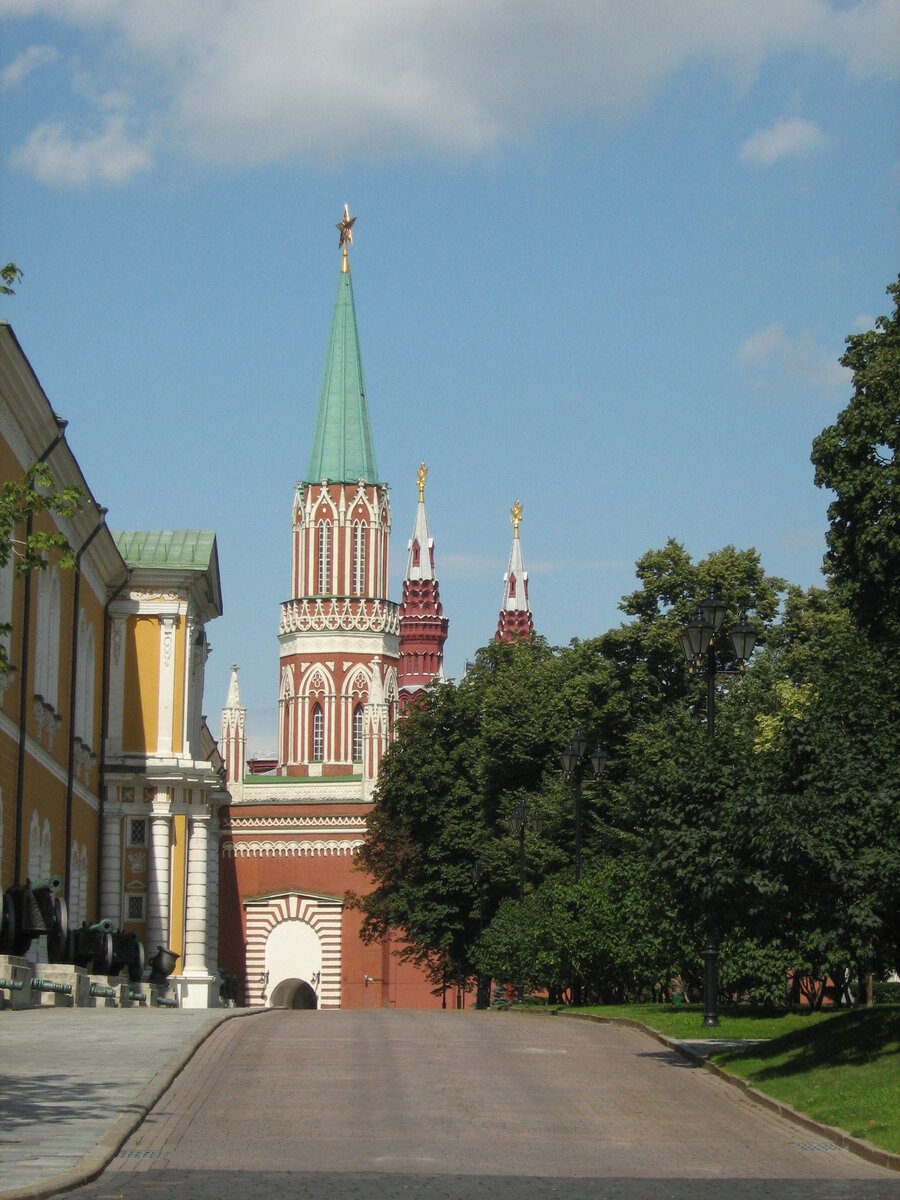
[
  {"x": 344, "y": 226},
  {"x": 421, "y": 476},
  {"x": 515, "y": 515}
]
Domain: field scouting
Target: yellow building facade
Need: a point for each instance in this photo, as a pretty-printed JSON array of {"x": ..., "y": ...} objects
[{"x": 106, "y": 778}]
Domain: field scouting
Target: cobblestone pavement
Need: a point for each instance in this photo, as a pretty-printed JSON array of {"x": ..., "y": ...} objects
[
  {"x": 385, "y": 1103},
  {"x": 68, "y": 1075}
]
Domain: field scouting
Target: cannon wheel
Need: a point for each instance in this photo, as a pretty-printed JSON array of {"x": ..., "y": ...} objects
[
  {"x": 14, "y": 940},
  {"x": 58, "y": 937},
  {"x": 103, "y": 960},
  {"x": 136, "y": 968}
]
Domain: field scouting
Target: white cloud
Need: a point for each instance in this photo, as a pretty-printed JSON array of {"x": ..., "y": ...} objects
[
  {"x": 29, "y": 60},
  {"x": 785, "y": 139},
  {"x": 772, "y": 351},
  {"x": 864, "y": 323},
  {"x": 111, "y": 156},
  {"x": 242, "y": 82}
]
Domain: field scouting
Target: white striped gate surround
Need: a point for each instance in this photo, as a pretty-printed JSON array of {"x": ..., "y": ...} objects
[{"x": 322, "y": 913}]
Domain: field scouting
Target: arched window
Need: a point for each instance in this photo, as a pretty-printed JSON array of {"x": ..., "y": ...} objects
[
  {"x": 318, "y": 734},
  {"x": 84, "y": 695},
  {"x": 415, "y": 553},
  {"x": 34, "y": 848},
  {"x": 6, "y": 598},
  {"x": 324, "y": 558},
  {"x": 75, "y": 917},
  {"x": 358, "y": 586},
  {"x": 512, "y": 587},
  {"x": 82, "y": 885},
  {"x": 46, "y": 866},
  {"x": 46, "y": 671},
  {"x": 358, "y": 733}
]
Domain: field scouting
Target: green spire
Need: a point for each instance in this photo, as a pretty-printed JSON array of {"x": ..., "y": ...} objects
[{"x": 342, "y": 449}]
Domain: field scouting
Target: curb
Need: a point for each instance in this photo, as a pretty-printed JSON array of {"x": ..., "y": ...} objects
[
  {"x": 864, "y": 1150},
  {"x": 90, "y": 1165}
]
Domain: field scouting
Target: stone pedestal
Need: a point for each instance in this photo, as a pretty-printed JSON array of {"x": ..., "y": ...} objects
[
  {"x": 198, "y": 990},
  {"x": 76, "y": 977}
]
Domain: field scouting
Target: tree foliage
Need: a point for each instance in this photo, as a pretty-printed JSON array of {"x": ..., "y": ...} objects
[
  {"x": 856, "y": 458},
  {"x": 10, "y": 274},
  {"x": 781, "y": 831},
  {"x": 23, "y": 498}
]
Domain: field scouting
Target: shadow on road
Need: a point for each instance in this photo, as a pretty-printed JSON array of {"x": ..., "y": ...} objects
[{"x": 277, "y": 1185}]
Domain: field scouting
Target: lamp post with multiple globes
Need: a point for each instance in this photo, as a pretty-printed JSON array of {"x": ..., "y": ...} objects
[{"x": 698, "y": 644}]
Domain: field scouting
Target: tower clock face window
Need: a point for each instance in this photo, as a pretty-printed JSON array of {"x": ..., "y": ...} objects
[{"x": 318, "y": 734}]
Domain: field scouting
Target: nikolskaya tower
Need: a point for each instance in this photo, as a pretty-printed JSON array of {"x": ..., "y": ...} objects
[
  {"x": 339, "y": 633},
  {"x": 347, "y": 655}
]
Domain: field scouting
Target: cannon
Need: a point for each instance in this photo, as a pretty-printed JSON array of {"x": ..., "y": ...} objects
[
  {"x": 91, "y": 944},
  {"x": 31, "y": 910},
  {"x": 127, "y": 955},
  {"x": 50, "y": 985},
  {"x": 103, "y": 991}
]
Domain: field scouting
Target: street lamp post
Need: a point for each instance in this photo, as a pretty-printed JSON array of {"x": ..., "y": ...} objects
[
  {"x": 477, "y": 878},
  {"x": 698, "y": 643},
  {"x": 574, "y": 761},
  {"x": 518, "y": 819}
]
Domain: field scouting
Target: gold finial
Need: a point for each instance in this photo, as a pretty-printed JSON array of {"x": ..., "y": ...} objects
[
  {"x": 515, "y": 515},
  {"x": 344, "y": 226},
  {"x": 421, "y": 476}
]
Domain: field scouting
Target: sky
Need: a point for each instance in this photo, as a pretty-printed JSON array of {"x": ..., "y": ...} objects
[{"x": 605, "y": 259}]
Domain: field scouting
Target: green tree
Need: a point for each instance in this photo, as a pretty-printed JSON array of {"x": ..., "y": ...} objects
[
  {"x": 10, "y": 274},
  {"x": 463, "y": 757},
  {"x": 21, "y": 500},
  {"x": 856, "y": 458}
]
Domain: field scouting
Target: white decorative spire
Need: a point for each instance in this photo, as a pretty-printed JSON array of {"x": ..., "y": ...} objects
[
  {"x": 420, "y": 560},
  {"x": 515, "y": 611},
  {"x": 234, "y": 733},
  {"x": 234, "y": 692}
]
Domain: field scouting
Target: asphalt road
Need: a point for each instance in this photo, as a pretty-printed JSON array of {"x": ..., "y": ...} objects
[{"x": 386, "y": 1104}]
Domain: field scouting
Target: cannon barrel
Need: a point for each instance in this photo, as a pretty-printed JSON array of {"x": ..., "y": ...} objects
[
  {"x": 51, "y": 884},
  {"x": 51, "y": 985},
  {"x": 167, "y": 1002},
  {"x": 12, "y": 985},
  {"x": 104, "y": 926},
  {"x": 103, "y": 990},
  {"x": 137, "y": 997}
]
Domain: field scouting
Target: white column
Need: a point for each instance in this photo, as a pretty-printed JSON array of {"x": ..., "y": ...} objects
[
  {"x": 166, "y": 684},
  {"x": 195, "y": 921},
  {"x": 111, "y": 869},
  {"x": 212, "y": 893},
  {"x": 158, "y": 886}
]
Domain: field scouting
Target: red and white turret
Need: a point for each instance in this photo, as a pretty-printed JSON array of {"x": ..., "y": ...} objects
[
  {"x": 233, "y": 746},
  {"x": 515, "y": 612},
  {"x": 423, "y": 626}
]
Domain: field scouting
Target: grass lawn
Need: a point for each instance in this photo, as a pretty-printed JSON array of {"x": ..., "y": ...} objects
[{"x": 842, "y": 1068}]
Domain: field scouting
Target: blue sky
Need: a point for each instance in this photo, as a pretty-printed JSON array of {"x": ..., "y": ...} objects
[{"x": 605, "y": 260}]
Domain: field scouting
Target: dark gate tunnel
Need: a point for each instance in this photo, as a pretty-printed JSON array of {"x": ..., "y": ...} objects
[{"x": 294, "y": 993}]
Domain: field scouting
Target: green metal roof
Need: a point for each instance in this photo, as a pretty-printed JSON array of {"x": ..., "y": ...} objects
[
  {"x": 177, "y": 549},
  {"x": 343, "y": 449}
]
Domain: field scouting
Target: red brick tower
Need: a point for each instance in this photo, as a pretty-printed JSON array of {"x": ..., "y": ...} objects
[
  {"x": 423, "y": 626},
  {"x": 515, "y": 612}
]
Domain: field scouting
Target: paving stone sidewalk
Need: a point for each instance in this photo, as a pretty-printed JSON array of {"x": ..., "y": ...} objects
[{"x": 75, "y": 1082}]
